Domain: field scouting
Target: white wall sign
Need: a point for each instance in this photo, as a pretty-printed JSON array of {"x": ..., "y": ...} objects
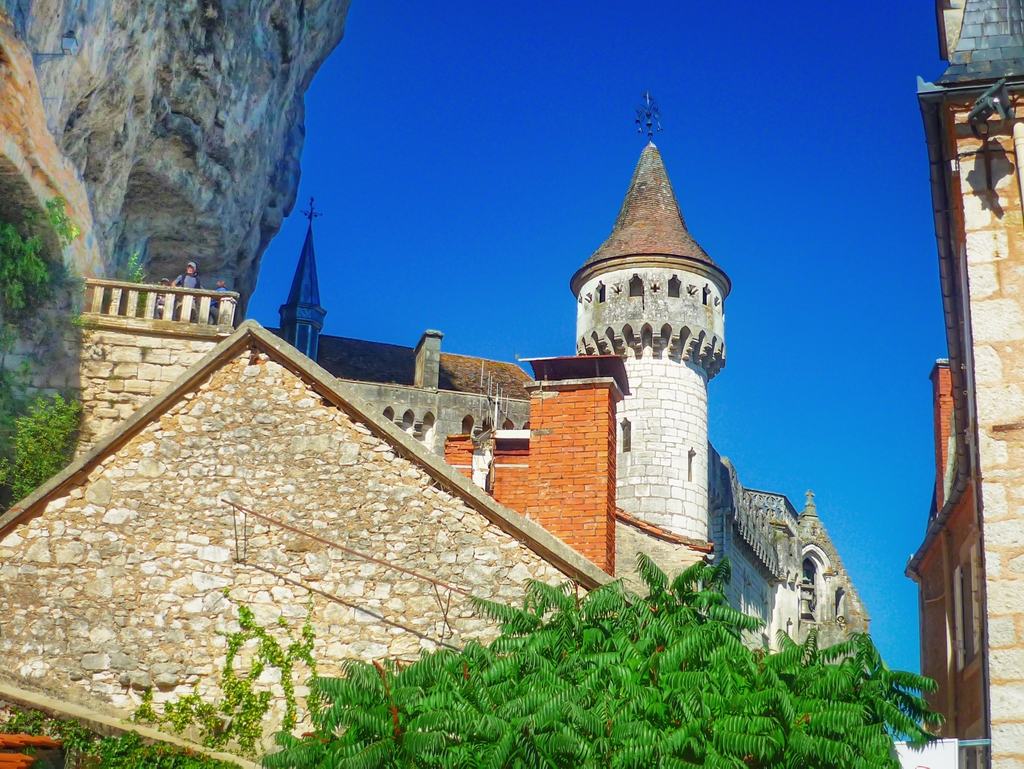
[{"x": 942, "y": 754}]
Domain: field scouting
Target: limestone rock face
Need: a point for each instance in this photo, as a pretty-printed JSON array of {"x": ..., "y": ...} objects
[{"x": 184, "y": 119}]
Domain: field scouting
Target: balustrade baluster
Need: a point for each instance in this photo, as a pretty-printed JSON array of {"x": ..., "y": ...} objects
[
  {"x": 97, "y": 299},
  {"x": 115, "y": 302},
  {"x": 186, "y": 308},
  {"x": 150, "y": 305},
  {"x": 133, "y": 303},
  {"x": 226, "y": 314},
  {"x": 204, "y": 310},
  {"x": 168, "y": 313}
]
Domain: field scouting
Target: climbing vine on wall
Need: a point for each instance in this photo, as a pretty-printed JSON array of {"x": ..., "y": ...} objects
[{"x": 240, "y": 713}]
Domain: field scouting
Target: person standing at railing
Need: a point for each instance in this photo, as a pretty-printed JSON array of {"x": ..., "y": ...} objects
[
  {"x": 189, "y": 280},
  {"x": 222, "y": 288}
]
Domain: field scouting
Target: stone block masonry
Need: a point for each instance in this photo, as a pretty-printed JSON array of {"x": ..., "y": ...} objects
[
  {"x": 663, "y": 476},
  {"x": 136, "y": 563},
  {"x": 120, "y": 371}
]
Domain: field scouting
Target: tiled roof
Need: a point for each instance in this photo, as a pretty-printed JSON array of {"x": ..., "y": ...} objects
[
  {"x": 991, "y": 42},
  {"x": 649, "y": 222},
  {"x": 365, "y": 361}
]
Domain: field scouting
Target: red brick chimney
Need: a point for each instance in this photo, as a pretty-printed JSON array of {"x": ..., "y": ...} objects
[
  {"x": 458, "y": 452},
  {"x": 942, "y": 404},
  {"x": 568, "y": 482}
]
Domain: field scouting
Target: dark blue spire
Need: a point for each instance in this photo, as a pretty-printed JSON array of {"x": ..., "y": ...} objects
[{"x": 302, "y": 317}]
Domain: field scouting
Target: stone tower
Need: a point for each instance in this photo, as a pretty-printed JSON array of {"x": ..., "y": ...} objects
[
  {"x": 652, "y": 295},
  {"x": 302, "y": 317}
]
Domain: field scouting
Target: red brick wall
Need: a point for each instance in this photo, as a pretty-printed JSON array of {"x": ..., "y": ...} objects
[
  {"x": 511, "y": 485},
  {"x": 458, "y": 452},
  {"x": 942, "y": 402},
  {"x": 571, "y": 480}
]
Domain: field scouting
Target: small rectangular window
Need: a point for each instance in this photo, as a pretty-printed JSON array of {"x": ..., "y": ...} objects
[
  {"x": 302, "y": 340},
  {"x": 627, "y": 436}
]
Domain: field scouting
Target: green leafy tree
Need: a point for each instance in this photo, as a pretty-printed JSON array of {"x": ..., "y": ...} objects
[
  {"x": 43, "y": 444},
  {"x": 610, "y": 679}
]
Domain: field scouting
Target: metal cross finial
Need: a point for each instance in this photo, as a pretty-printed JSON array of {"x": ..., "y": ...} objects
[
  {"x": 311, "y": 214},
  {"x": 647, "y": 116}
]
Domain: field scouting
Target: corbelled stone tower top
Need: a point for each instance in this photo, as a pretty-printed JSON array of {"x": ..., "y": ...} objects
[{"x": 649, "y": 230}]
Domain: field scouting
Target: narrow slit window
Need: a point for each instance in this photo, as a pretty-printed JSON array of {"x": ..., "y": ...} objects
[
  {"x": 627, "y": 436},
  {"x": 707, "y": 293},
  {"x": 600, "y": 293},
  {"x": 636, "y": 286},
  {"x": 674, "y": 286},
  {"x": 689, "y": 465}
]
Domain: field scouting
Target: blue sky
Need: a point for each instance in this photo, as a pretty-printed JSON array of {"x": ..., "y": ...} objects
[{"x": 468, "y": 157}]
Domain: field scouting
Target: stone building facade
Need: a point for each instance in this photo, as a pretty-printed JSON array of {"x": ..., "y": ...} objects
[
  {"x": 141, "y": 557},
  {"x": 970, "y": 564}
]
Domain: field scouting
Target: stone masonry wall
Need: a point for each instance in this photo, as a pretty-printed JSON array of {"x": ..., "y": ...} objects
[
  {"x": 992, "y": 225},
  {"x": 129, "y": 578},
  {"x": 121, "y": 371},
  {"x": 668, "y": 414}
]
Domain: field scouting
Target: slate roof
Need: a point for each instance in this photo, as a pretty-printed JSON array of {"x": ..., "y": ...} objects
[
  {"x": 364, "y": 361},
  {"x": 649, "y": 222},
  {"x": 305, "y": 286},
  {"x": 991, "y": 42}
]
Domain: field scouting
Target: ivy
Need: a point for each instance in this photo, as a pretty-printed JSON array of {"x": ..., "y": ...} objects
[
  {"x": 84, "y": 748},
  {"x": 240, "y": 713}
]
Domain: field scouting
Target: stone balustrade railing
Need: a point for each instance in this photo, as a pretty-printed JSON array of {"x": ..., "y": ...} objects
[{"x": 143, "y": 306}]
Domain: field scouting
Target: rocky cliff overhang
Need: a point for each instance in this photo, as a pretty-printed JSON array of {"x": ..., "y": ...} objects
[{"x": 182, "y": 119}]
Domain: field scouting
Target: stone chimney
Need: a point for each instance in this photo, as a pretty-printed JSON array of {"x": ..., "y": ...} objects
[
  {"x": 564, "y": 478},
  {"x": 428, "y": 360}
]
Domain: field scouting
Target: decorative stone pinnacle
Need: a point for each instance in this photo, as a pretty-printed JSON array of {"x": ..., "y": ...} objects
[{"x": 810, "y": 508}]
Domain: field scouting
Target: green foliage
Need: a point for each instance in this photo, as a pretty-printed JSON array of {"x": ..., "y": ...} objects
[
  {"x": 44, "y": 442},
  {"x": 85, "y": 748},
  {"x": 37, "y": 297},
  {"x": 614, "y": 680},
  {"x": 240, "y": 714},
  {"x": 133, "y": 271}
]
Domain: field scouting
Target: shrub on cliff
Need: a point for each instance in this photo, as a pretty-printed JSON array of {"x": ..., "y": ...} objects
[
  {"x": 44, "y": 443},
  {"x": 610, "y": 679}
]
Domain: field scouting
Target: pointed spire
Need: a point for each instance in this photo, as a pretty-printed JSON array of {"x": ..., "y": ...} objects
[
  {"x": 649, "y": 224},
  {"x": 302, "y": 317},
  {"x": 305, "y": 286}
]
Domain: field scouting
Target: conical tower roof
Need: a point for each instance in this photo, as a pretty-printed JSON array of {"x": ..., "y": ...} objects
[
  {"x": 305, "y": 286},
  {"x": 650, "y": 229}
]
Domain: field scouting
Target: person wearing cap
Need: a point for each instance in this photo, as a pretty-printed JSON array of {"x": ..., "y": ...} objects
[{"x": 190, "y": 279}]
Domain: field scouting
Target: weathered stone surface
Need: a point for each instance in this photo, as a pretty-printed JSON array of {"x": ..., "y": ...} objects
[
  {"x": 184, "y": 119},
  {"x": 139, "y": 590}
]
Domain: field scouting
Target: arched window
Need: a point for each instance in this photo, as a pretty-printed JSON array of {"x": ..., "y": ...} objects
[
  {"x": 428, "y": 431},
  {"x": 526, "y": 425},
  {"x": 674, "y": 284},
  {"x": 389, "y": 414},
  {"x": 627, "y": 436},
  {"x": 507, "y": 425},
  {"x": 409, "y": 421},
  {"x": 467, "y": 424},
  {"x": 636, "y": 286},
  {"x": 810, "y": 571},
  {"x": 600, "y": 293}
]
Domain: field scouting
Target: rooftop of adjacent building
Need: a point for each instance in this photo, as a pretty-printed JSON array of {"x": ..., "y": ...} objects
[
  {"x": 361, "y": 360},
  {"x": 988, "y": 44}
]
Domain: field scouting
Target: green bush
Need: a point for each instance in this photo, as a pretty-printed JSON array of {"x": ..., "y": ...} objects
[
  {"x": 44, "y": 443},
  {"x": 85, "y": 748},
  {"x": 614, "y": 680}
]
